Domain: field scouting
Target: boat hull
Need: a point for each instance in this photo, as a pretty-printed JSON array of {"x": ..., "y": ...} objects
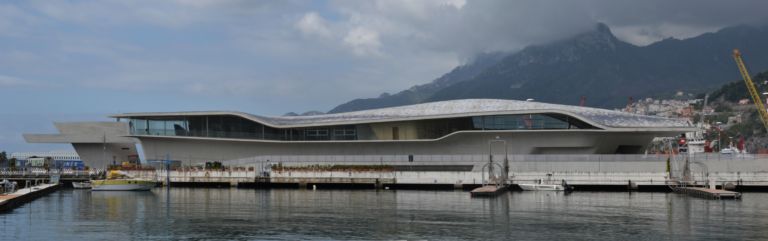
[
  {"x": 122, "y": 185},
  {"x": 81, "y": 185},
  {"x": 541, "y": 187}
]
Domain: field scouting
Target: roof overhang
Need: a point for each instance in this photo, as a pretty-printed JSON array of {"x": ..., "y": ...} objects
[
  {"x": 600, "y": 118},
  {"x": 661, "y": 132}
]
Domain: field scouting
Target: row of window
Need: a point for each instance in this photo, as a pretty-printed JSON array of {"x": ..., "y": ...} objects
[
  {"x": 237, "y": 127},
  {"x": 68, "y": 158}
]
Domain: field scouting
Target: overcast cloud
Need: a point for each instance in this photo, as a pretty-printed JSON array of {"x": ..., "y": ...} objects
[{"x": 62, "y": 58}]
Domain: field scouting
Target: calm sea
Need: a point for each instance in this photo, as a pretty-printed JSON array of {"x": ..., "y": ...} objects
[{"x": 246, "y": 214}]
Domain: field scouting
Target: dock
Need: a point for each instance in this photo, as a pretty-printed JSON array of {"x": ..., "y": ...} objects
[
  {"x": 488, "y": 191},
  {"x": 708, "y": 193},
  {"x": 24, "y": 195}
]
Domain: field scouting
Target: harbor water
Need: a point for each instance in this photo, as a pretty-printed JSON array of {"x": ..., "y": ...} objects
[{"x": 247, "y": 214}]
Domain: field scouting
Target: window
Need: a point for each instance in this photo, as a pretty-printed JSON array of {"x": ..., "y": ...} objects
[
  {"x": 345, "y": 133},
  {"x": 157, "y": 127},
  {"x": 527, "y": 122},
  {"x": 395, "y": 133},
  {"x": 316, "y": 134},
  {"x": 138, "y": 126}
]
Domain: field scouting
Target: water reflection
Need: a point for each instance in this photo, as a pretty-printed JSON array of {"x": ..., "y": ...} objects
[{"x": 185, "y": 213}]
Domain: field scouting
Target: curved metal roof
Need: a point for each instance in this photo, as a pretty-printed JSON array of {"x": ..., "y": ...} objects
[{"x": 602, "y": 118}]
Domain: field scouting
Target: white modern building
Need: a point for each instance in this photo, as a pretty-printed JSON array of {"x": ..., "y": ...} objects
[{"x": 456, "y": 127}]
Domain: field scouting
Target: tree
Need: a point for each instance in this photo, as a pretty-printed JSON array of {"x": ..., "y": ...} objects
[{"x": 4, "y": 158}]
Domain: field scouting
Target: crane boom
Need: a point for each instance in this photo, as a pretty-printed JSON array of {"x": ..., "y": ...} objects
[
  {"x": 703, "y": 108},
  {"x": 752, "y": 88}
]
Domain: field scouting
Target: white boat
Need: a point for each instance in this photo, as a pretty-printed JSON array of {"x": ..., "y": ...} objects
[
  {"x": 119, "y": 181},
  {"x": 81, "y": 185},
  {"x": 541, "y": 187},
  {"x": 728, "y": 151},
  {"x": 547, "y": 185}
]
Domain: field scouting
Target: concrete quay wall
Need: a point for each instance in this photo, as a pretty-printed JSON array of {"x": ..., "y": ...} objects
[
  {"x": 469, "y": 170},
  {"x": 644, "y": 174}
]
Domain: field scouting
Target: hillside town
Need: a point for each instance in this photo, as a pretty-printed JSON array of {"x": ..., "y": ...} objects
[{"x": 733, "y": 123}]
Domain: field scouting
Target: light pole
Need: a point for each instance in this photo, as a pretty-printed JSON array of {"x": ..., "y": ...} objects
[{"x": 719, "y": 137}]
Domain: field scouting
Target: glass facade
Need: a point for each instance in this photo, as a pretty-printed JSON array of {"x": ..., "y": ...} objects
[
  {"x": 230, "y": 126},
  {"x": 528, "y": 122}
]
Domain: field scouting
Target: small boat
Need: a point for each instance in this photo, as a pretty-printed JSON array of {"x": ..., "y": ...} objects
[
  {"x": 81, "y": 185},
  {"x": 728, "y": 151},
  {"x": 542, "y": 186},
  {"x": 119, "y": 181}
]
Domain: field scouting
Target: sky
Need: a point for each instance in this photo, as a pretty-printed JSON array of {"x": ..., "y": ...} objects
[{"x": 73, "y": 60}]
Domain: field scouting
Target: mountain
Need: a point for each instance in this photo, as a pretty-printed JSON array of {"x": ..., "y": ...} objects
[
  {"x": 735, "y": 91},
  {"x": 308, "y": 113},
  {"x": 421, "y": 93},
  {"x": 596, "y": 65}
]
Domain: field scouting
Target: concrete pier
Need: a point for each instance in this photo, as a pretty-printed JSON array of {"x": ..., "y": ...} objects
[{"x": 24, "y": 195}]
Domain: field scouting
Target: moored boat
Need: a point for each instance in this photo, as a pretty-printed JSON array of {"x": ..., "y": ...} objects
[
  {"x": 122, "y": 185},
  {"x": 119, "y": 181},
  {"x": 541, "y": 187},
  {"x": 81, "y": 185}
]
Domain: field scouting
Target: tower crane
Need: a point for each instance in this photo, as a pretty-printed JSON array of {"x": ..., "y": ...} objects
[{"x": 752, "y": 88}]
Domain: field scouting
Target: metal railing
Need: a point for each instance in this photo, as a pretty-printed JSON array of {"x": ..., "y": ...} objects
[
  {"x": 445, "y": 159},
  {"x": 42, "y": 172}
]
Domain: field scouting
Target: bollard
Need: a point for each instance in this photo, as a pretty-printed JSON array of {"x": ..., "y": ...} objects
[{"x": 632, "y": 185}]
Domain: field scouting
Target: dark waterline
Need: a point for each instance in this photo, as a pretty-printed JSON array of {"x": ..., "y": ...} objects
[{"x": 224, "y": 214}]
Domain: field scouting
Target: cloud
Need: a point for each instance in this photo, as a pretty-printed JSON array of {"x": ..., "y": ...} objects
[
  {"x": 647, "y": 34},
  {"x": 10, "y": 81},
  {"x": 14, "y": 22},
  {"x": 313, "y": 24},
  {"x": 170, "y": 14},
  {"x": 467, "y": 28},
  {"x": 363, "y": 41},
  {"x": 237, "y": 48}
]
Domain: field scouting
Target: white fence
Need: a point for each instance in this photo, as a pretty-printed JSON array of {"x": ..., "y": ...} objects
[{"x": 470, "y": 159}]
